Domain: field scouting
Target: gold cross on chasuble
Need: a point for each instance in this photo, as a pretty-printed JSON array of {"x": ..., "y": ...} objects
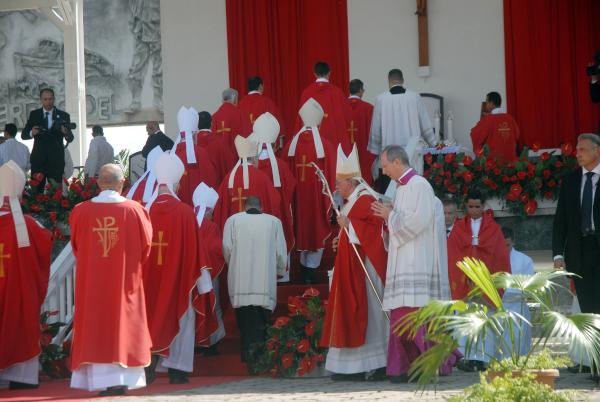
[
  {"x": 107, "y": 230},
  {"x": 251, "y": 118},
  {"x": 160, "y": 245},
  {"x": 239, "y": 199},
  {"x": 352, "y": 130},
  {"x": 2, "y": 258},
  {"x": 303, "y": 166},
  {"x": 504, "y": 130},
  {"x": 223, "y": 128}
]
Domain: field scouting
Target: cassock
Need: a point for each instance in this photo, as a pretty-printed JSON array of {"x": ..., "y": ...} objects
[
  {"x": 221, "y": 156},
  {"x": 202, "y": 170},
  {"x": 231, "y": 200},
  {"x": 398, "y": 117},
  {"x": 359, "y": 129},
  {"x": 311, "y": 206},
  {"x": 355, "y": 329},
  {"x": 501, "y": 134},
  {"x": 170, "y": 275},
  {"x": 255, "y": 252},
  {"x": 412, "y": 278},
  {"x": 24, "y": 273},
  {"x": 480, "y": 238},
  {"x": 337, "y": 114},
  {"x": 286, "y": 193},
  {"x": 228, "y": 122},
  {"x": 111, "y": 341},
  {"x": 254, "y": 104}
]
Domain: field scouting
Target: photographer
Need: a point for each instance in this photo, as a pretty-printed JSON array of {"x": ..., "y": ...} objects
[{"x": 48, "y": 126}]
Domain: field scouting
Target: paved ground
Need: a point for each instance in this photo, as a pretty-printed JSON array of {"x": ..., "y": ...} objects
[{"x": 323, "y": 389}]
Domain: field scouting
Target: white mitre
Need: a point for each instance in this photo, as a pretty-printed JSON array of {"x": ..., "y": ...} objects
[
  {"x": 266, "y": 130},
  {"x": 245, "y": 148},
  {"x": 204, "y": 197},
  {"x": 311, "y": 114},
  {"x": 168, "y": 170},
  {"x": 12, "y": 182},
  {"x": 187, "y": 121}
]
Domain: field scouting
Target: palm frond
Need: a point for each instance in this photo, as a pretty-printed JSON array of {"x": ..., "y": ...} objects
[
  {"x": 479, "y": 274},
  {"x": 425, "y": 368},
  {"x": 430, "y": 316}
]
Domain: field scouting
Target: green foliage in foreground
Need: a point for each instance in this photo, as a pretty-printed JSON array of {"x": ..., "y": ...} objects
[{"x": 539, "y": 361}]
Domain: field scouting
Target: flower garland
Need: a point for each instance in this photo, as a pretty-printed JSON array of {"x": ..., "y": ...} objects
[
  {"x": 520, "y": 183},
  {"x": 292, "y": 347}
]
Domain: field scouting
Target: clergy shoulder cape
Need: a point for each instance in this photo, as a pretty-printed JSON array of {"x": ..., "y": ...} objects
[
  {"x": 231, "y": 200},
  {"x": 491, "y": 250},
  {"x": 359, "y": 130},
  {"x": 220, "y": 155},
  {"x": 229, "y": 122},
  {"x": 311, "y": 210},
  {"x": 254, "y": 104},
  {"x": 336, "y": 120},
  {"x": 111, "y": 242},
  {"x": 24, "y": 273},
  {"x": 346, "y": 318},
  {"x": 286, "y": 193},
  {"x": 202, "y": 170},
  {"x": 396, "y": 119},
  {"x": 500, "y": 132},
  {"x": 172, "y": 269},
  {"x": 413, "y": 272}
]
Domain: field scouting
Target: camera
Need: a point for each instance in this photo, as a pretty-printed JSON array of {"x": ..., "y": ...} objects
[
  {"x": 594, "y": 69},
  {"x": 68, "y": 125}
]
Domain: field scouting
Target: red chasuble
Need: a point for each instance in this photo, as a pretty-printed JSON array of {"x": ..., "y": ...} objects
[
  {"x": 491, "y": 250},
  {"x": 231, "y": 200},
  {"x": 172, "y": 269},
  {"x": 220, "y": 155},
  {"x": 228, "y": 122},
  {"x": 360, "y": 128},
  {"x": 286, "y": 192},
  {"x": 255, "y": 104},
  {"x": 336, "y": 120},
  {"x": 500, "y": 132},
  {"x": 195, "y": 173},
  {"x": 311, "y": 209},
  {"x": 346, "y": 317},
  {"x": 111, "y": 242},
  {"x": 24, "y": 276}
]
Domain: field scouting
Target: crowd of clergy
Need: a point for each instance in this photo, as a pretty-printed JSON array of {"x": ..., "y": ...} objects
[{"x": 211, "y": 225}]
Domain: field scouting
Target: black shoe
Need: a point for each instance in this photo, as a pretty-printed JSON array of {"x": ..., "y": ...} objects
[
  {"x": 348, "y": 377},
  {"x": 21, "y": 385},
  {"x": 398, "y": 379},
  {"x": 209, "y": 351},
  {"x": 178, "y": 377},
  {"x": 376, "y": 375},
  {"x": 113, "y": 391},
  {"x": 151, "y": 370},
  {"x": 579, "y": 369},
  {"x": 470, "y": 366}
]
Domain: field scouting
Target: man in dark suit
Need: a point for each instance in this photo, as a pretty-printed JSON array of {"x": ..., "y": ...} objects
[
  {"x": 576, "y": 234},
  {"x": 48, "y": 126},
  {"x": 156, "y": 137}
]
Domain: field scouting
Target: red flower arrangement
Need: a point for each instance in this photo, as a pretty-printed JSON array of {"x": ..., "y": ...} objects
[
  {"x": 53, "y": 207},
  {"x": 521, "y": 183},
  {"x": 53, "y": 358},
  {"x": 292, "y": 347}
]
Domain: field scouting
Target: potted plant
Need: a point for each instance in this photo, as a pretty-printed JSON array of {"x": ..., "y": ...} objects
[{"x": 485, "y": 315}]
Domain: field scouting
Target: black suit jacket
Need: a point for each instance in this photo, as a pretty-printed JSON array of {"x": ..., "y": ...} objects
[
  {"x": 47, "y": 155},
  {"x": 595, "y": 91},
  {"x": 566, "y": 236},
  {"x": 153, "y": 140}
]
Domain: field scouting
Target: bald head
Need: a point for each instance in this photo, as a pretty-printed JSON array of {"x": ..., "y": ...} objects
[{"x": 111, "y": 178}]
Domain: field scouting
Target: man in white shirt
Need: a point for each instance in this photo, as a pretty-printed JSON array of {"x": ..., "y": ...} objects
[
  {"x": 11, "y": 149},
  {"x": 100, "y": 153},
  {"x": 255, "y": 251}
]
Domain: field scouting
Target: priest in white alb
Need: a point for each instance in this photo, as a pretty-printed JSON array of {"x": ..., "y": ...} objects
[
  {"x": 413, "y": 271},
  {"x": 356, "y": 329}
]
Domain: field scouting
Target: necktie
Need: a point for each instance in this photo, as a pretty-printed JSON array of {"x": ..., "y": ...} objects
[
  {"x": 586, "y": 205},
  {"x": 46, "y": 119}
]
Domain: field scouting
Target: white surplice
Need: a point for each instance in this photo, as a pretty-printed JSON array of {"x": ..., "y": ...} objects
[
  {"x": 99, "y": 376},
  {"x": 373, "y": 353},
  {"x": 25, "y": 372},
  {"x": 397, "y": 119},
  {"x": 412, "y": 278},
  {"x": 255, "y": 251}
]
